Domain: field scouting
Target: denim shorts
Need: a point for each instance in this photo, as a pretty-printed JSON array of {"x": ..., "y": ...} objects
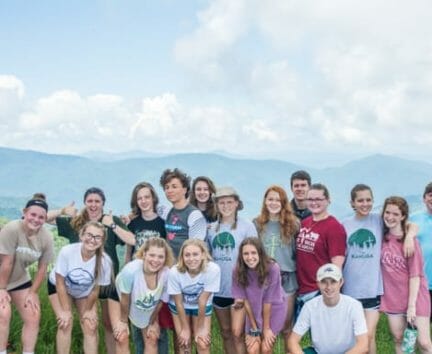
[{"x": 191, "y": 312}]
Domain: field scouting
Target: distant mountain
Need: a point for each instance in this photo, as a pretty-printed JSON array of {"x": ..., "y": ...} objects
[
  {"x": 65, "y": 178},
  {"x": 110, "y": 156}
]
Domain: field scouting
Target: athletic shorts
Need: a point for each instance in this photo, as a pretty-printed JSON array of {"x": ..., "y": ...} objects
[
  {"x": 22, "y": 286},
  {"x": 371, "y": 303},
  {"x": 222, "y": 302},
  {"x": 289, "y": 282}
]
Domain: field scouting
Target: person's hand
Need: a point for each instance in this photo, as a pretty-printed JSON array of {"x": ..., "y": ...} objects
[
  {"x": 153, "y": 330},
  {"x": 108, "y": 219},
  {"x": 408, "y": 247},
  {"x": 184, "y": 337},
  {"x": 125, "y": 219},
  {"x": 31, "y": 301},
  {"x": 203, "y": 336},
  {"x": 120, "y": 330},
  {"x": 411, "y": 314},
  {"x": 269, "y": 339},
  {"x": 252, "y": 343},
  {"x": 238, "y": 304},
  {"x": 69, "y": 210},
  {"x": 91, "y": 318},
  {"x": 64, "y": 319}
]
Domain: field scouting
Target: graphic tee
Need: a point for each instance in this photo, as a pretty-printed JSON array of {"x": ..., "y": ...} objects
[{"x": 145, "y": 229}]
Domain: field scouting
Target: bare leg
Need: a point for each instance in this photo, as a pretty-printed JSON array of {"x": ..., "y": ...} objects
[
  {"x": 372, "y": 318},
  {"x": 397, "y": 324},
  {"x": 289, "y": 320},
  {"x": 178, "y": 327},
  {"x": 202, "y": 347},
  {"x": 5, "y": 317},
  {"x": 90, "y": 330},
  {"x": 64, "y": 335},
  {"x": 110, "y": 342},
  {"x": 238, "y": 325},
  {"x": 121, "y": 344},
  {"x": 224, "y": 318},
  {"x": 424, "y": 337}
]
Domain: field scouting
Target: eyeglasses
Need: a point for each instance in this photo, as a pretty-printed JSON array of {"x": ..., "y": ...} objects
[
  {"x": 315, "y": 200},
  {"x": 96, "y": 238}
]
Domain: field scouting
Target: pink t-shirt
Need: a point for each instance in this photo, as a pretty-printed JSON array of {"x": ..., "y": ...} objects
[
  {"x": 316, "y": 244},
  {"x": 396, "y": 271}
]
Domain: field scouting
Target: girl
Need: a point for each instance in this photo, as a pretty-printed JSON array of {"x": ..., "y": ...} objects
[
  {"x": 406, "y": 297},
  {"x": 145, "y": 223},
  {"x": 69, "y": 222},
  {"x": 79, "y": 271},
  {"x": 142, "y": 286},
  {"x": 362, "y": 271},
  {"x": 191, "y": 284},
  {"x": 203, "y": 190},
  {"x": 22, "y": 243},
  {"x": 257, "y": 286},
  {"x": 277, "y": 227},
  {"x": 224, "y": 237}
]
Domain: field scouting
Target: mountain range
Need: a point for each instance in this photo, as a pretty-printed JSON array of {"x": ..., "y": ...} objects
[{"x": 64, "y": 178}]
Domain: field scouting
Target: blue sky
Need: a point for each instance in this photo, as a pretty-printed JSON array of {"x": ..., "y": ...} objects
[{"x": 305, "y": 81}]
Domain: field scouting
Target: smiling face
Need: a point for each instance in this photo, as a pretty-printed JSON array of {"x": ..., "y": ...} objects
[
  {"x": 94, "y": 206},
  {"x": 154, "y": 259},
  {"x": 227, "y": 206},
  {"x": 193, "y": 257},
  {"x": 427, "y": 200},
  {"x": 393, "y": 217},
  {"x": 34, "y": 217},
  {"x": 362, "y": 203},
  {"x": 273, "y": 203},
  {"x": 300, "y": 188},
  {"x": 92, "y": 238},
  {"x": 250, "y": 256},
  {"x": 317, "y": 202},
  {"x": 174, "y": 191},
  {"x": 330, "y": 290},
  {"x": 145, "y": 200},
  {"x": 202, "y": 192}
]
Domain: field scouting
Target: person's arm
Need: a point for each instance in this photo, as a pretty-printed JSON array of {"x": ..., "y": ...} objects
[
  {"x": 408, "y": 245},
  {"x": 6, "y": 265},
  {"x": 125, "y": 235},
  {"x": 269, "y": 337},
  {"x": 338, "y": 260},
  {"x": 120, "y": 325},
  {"x": 202, "y": 332},
  {"x": 88, "y": 314},
  {"x": 197, "y": 225},
  {"x": 153, "y": 329},
  {"x": 185, "y": 332},
  {"x": 253, "y": 337},
  {"x": 128, "y": 254},
  {"x": 294, "y": 343},
  {"x": 64, "y": 319},
  {"x": 361, "y": 345},
  {"x": 414, "y": 285},
  {"x": 68, "y": 210},
  {"x": 32, "y": 297}
]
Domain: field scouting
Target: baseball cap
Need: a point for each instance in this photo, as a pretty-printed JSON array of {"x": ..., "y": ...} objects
[{"x": 329, "y": 270}]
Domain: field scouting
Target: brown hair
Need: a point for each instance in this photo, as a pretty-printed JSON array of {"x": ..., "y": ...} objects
[
  {"x": 181, "y": 266},
  {"x": 82, "y": 218},
  {"x": 168, "y": 175},
  {"x": 241, "y": 270},
  {"x": 134, "y": 198},
  {"x": 402, "y": 204},
  {"x": 210, "y": 209},
  {"x": 159, "y": 243},
  {"x": 289, "y": 223}
]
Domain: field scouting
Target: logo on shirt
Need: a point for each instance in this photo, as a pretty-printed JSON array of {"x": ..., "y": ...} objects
[
  {"x": 223, "y": 245},
  {"x": 78, "y": 281},
  {"x": 306, "y": 240},
  {"x": 192, "y": 292},
  {"x": 146, "y": 303},
  {"x": 172, "y": 228},
  {"x": 271, "y": 243}
]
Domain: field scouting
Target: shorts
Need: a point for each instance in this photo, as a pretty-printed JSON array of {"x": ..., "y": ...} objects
[
  {"x": 108, "y": 292},
  {"x": 165, "y": 317},
  {"x": 289, "y": 282},
  {"x": 222, "y": 302},
  {"x": 191, "y": 312},
  {"x": 51, "y": 288},
  {"x": 372, "y": 303},
  {"x": 26, "y": 285}
]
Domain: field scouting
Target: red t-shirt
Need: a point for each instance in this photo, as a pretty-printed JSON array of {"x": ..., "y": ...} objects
[{"x": 316, "y": 244}]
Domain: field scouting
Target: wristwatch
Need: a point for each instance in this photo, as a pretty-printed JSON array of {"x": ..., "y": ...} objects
[
  {"x": 113, "y": 226},
  {"x": 255, "y": 332}
]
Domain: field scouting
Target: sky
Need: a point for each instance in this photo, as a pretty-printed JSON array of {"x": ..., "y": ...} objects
[{"x": 313, "y": 82}]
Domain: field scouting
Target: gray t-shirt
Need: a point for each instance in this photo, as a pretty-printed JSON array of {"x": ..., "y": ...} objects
[
  {"x": 362, "y": 269},
  {"x": 224, "y": 247},
  {"x": 282, "y": 253}
]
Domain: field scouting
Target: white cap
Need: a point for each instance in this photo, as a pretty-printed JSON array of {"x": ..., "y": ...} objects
[{"x": 329, "y": 270}]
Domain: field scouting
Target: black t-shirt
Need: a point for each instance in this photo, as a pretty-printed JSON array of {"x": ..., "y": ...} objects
[{"x": 144, "y": 229}]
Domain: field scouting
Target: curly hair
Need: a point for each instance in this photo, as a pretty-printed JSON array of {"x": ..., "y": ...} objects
[
  {"x": 168, "y": 175},
  {"x": 289, "y": 223}
]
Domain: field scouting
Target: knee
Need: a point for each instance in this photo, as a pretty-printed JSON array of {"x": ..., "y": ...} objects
[
  {"x": 424, "y": 344},
  {"x": 397, "y": 338},
  {"x": 202, "y": 346},
  {"x": 5, "y": 315},
  {"x": 32, "y": 320},
  {"x": 237, "y": 334},
  {"x": 226, "y": 333},
  {"x": 89, "y": 330}
]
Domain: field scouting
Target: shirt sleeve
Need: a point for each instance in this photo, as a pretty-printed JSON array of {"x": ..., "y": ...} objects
[
  {"x": 124, "y": 280},
  {"x": 8, "y": 240},
  {"x": 303, "y": 322},
  {"x": 105, "y": 276},
  {"x": 174, "y": 287},
  {"x": 359, "y": 321},
  {"x": 274, "y": 288},
  {"x": 336, "y": 240},
  {"x": 61, "y": 266},
  {"x": 197, "y": 225},
  {"x": 238, "y": 292},
  {"x": 252, "y": 231},
  {"x": 48, "y": 250},
  {"x": 415, "y": 262}
]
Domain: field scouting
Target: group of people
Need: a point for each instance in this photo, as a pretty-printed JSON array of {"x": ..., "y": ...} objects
[{"x": 292, "y": 269}]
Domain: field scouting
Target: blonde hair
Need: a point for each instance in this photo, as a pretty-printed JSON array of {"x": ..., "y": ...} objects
[
  {"x": 181, "y": 266},
  {"x": 100, "y": 250},
  {"x": 159, "y": 243}
]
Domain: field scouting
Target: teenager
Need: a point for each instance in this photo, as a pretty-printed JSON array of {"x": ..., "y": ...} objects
[
  {"x": 336, "y": 321},
  {"x": 362, "y": 269},
  {"x": 22, "y": 243},
  {"x": 191, "y": 284},
  {"x": 142, "y": 285},
  {"x": 406, "y": 296},
  {"x": 257, "y": 286},
  {"x": 203, "y": 190},
  {"x": 300, "y": 182},
  {"x": 80, "y": 269},
  {"x": 277, "y": 227},
  {"x": 224, "y": 238}
]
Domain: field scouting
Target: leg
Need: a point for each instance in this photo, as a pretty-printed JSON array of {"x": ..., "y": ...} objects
[
  {"x": 163, "y": 341},
  {"x": 137, "y": 338},
  {"x": 64, "y": 335},
  {"x": 238, "y": 325},
  {"x": 397, "y": 325},
  {"x": 110, "y": 342},
  {"x": 114, "y": 311},
  {"x": 424, "y": 338},
  {"x": 150, "y": 342},
  {"x": 372, "y": 318},
  {"x": 289, "y": 320},
  {"x": 90, "y": 330},
  {"x": 5, "y": 317},
  {"x": 30, "y": 317},
  {"x": 202, "y": 347},
  {"x": 178, "y": 328},
  {"x": 224, "y": 318}
]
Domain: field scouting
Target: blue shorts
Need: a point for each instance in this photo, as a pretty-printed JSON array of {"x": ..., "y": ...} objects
[{"x": 191, "y": 312}]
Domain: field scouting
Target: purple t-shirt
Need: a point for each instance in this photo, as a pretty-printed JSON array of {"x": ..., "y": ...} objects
[
  {"x": 270, "y": 293},
  {"x": 397, "y": 270}
]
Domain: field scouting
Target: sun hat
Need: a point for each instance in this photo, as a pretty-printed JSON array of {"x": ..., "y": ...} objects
[
  {"x": 329, "y": 270},
  {"x": 228, "y": 192}
]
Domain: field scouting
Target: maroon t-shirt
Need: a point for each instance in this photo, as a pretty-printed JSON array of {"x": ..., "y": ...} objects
[{"x": 316, "y": 244}]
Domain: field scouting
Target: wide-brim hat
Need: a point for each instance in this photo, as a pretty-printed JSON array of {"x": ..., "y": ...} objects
[{"x": 228, "y": 192}]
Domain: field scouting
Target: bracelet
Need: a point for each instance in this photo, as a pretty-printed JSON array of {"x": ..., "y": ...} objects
[{"x": 255, "y": 332}]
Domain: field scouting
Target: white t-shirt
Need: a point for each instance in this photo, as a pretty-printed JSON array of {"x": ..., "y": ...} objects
[
  {"x": 333, "y": 329},
  {"x": 143, "y": 300},
  {"x": 192, "y": 287},
  {"x": 79, "y": 274}
]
